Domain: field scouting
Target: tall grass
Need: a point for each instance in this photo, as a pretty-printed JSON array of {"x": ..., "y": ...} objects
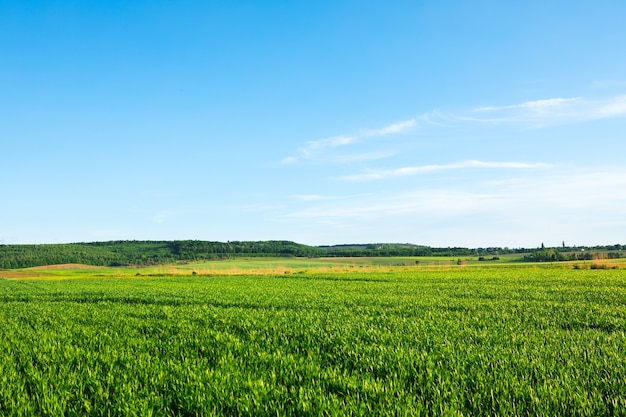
[{"x": 421, "y": 342}]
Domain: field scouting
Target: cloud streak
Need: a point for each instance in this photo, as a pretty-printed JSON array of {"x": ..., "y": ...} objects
[
  {"x": 437, "y": 202},
  {"x": 333, "y": 142},
  {"x": 536, "y": 114},
  {"x": 312, "y": 197},
  {"x": 574, "y": 204},
  {"x": 425, "y": 169},
  {"x": 315, "y": 148},
  {"x": 549, "y": 112},
  {"x": 312, "y": 149},
  {"x": 162, "y": 215},
  {"x": 395, "y": 128}
]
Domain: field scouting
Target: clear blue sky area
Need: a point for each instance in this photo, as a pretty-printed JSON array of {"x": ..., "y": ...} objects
[{"x": 443, "y": 123}]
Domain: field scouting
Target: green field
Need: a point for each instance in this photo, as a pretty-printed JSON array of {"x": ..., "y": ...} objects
[
  {"x": 314, "y": 338},
  {"x": 291, "y": 265}
]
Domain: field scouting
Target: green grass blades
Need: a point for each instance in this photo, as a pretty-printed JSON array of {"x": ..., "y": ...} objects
[{"x": 476, "y": 341}]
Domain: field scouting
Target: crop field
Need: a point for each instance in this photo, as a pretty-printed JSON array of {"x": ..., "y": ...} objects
[
  {"x": 408, "y": 340},
  {"x": 296, "y": 265}
]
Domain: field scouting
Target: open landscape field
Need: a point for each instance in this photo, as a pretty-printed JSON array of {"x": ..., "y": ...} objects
[
  {"x": 312, "y": 208},
  {"x": 299, "y": 265},
  {"x": 384, "y": 336}
]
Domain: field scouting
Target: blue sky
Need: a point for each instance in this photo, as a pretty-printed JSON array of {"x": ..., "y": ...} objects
[{"x": 443, "y": 123}]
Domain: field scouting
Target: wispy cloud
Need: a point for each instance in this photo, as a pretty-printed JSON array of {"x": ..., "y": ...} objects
[
  {"x": 613, "y": 108},
  {"x": 257, "y": 208},
  {"x": 162, "y": 215},
  {"x": 288, "y": 160},
  {"x": 612, "y": 84},
  {"x": 550, "y": 112},
  {"x": 575, "y": 204},
  {"x": 423, "y": 169},
  {"x": 360, "y": 157},
  {"x": 420, "y": 201},
  {"x": 313, "y": 197},
  {"x": 333, "y": 142},
  {"x": 320, "y": 197},
  {"x": 537, "y": 105},
  {"x": 535, "y": 113},
  {"x": 316, "y": 148},
  {"x": 395, "y": 128}
]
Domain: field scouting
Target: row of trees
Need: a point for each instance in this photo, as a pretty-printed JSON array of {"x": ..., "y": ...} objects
[
  {"x": 117, "y": 253},
  {"x": 552, "y": 255},
  {"x": 395, "y": 249},
  {"x": 198, "y": 250}
]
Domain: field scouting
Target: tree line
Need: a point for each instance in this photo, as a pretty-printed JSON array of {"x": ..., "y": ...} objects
[
  {"x": 121, "y": 253},
  {"x": 552, "y": 255}
]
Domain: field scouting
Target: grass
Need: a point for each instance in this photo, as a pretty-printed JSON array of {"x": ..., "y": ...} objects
[
  {"x": 269, "y": 266},
  {"x": 420, "y": 341}
]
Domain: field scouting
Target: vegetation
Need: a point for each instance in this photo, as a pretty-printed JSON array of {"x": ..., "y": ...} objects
[
  {"x": 118, "y": 253},
  {"x": 455, "y": 341},
  {"x": 567, "y": 254},
  {"x": 395, "y": 249}
]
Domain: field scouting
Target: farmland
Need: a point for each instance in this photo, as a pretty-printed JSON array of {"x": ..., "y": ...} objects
[{"x": 314, "y": 337}]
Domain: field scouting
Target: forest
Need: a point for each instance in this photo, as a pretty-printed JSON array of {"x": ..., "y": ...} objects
[{"x": 121, "y": 253}]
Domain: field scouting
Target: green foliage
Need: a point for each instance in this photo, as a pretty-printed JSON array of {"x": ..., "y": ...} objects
[
  {"x": 118, "y": 253},
  {"x": 396, "y": 249},
  {"x": 493, "y": 258},
  {"x": 552, "y": 255},
  {"x": 546, "y": 255},
  {"x": 460, "y": 342}
]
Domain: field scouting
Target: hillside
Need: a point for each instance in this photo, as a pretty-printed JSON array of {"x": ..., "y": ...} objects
[{"x": 118, "y": 253}]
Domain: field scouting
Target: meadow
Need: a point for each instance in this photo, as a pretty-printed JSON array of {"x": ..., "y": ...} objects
[{"x": 314, "y": 337}]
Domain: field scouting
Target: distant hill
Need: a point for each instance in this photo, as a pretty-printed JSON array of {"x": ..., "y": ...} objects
[
  {"x": 409, "y": 249},
  {"x": 118, "y": 253}
]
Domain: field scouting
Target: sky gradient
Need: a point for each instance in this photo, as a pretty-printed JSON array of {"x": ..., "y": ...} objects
[{"x": 441, "y": 123}]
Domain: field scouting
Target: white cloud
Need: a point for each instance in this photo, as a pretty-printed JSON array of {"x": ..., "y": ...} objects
[
  {"x": 537, "y": 105},
  {"x": 549, "y": 112},
  {"x": 423, "y": 169},
  {"x": 399, "y": 127},
  {"x": 612, "y": 108},
  {"x": 312, "y": 197},
  {"x": 608, "y": 84},
  {"x": 315, "y": 148},
  {"x": 289, "y": 160},
  {"x": 433, "y": 202},
  {"x": 580, "y": 206},
  {"x": 529, "y": 114},
  {"x": 319, "y": 197},
  {"x": 162, "y": 215},
  {"x": 359, "y": 157},
  {"x": 332, "y": 142},
  {"x": 542, "y": 199},
  {"x": 254, "y": 208}
]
